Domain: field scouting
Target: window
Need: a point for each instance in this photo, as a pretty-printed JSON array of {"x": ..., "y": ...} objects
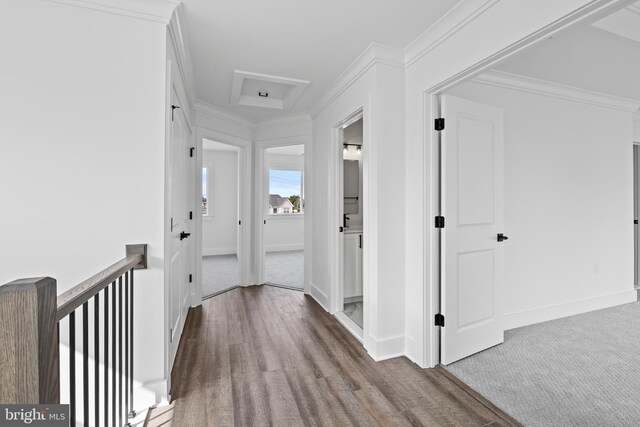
[
  {"x": 286, "y": 192},
  {"x": 205, "y": 192}
]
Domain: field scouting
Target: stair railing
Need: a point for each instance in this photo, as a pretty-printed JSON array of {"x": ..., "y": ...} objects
[{"x": 30, "y": 319}]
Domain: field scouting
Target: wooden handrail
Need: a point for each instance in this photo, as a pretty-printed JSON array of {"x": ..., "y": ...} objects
[{"x": 83, "y": 292}]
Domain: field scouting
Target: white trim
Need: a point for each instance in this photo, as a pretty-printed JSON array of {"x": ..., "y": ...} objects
[
  {"x": 288, "y": 119},
  {"x": 352, "y": 327},
  {"x": 557, "y": 90},
  {"x": 453, "y": 21},
  {"x": 284, "y": 247},
  {"x": 219, "y": 251},
  {"x": 386, "y": 348},
  {"x": 570, "y": 308},
  {"x": 320, "y": 297},
  {"x": 222, "y": 114},
  {"x": 373, "y": 55},
  {"x": 148, "y": 10},
  {"x": 158, "y": 388}
]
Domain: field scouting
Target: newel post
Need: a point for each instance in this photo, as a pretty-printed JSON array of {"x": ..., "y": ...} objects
[{"x": 29, "y": 356}]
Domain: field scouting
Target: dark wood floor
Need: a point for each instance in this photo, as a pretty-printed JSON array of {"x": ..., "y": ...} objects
[{"x": 270, "y": 356}]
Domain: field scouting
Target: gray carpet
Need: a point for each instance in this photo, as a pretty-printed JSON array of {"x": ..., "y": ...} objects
[
  {"x": 285, "y": 268},
  {"x": 582, "y": 370},
  {"x": 219, "y": 272}
]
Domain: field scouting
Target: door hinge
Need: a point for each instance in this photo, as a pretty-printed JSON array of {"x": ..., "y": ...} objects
[
  {"x": 171, "y": 335},
  {"x": 439, "y": 221},
  {"x": 439, "y": 124},
  {"x": 439, "y": 319},
  {"x": 191, "y": 278},
  {"x": 171, "y": 224},
  {"x": 173, "y": 108},
  {"x": 191, "y": 150},
  {"x": 239, "y": 222},
  {"x": 190, "y": 214}
]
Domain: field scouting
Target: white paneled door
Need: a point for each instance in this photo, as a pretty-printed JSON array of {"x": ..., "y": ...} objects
[
  {"x": 181, "y": 243},
  {"x": 472, "y": 251}
]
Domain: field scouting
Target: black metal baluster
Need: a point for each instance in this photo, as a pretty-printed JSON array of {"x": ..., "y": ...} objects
[
  {"x": 106, "y": 356},
  {"x": 85, "y": 362},
  {"x": 133, "y": 412},
  {"x": 72, "y": 367},
  {"x": 113, "y": 355},
  {"x": 96, "y": 356},
  {"x": 120, "y": 351},
  {"x": 126, "y": 347}
]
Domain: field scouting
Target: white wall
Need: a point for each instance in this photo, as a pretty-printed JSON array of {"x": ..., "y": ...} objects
[
  {"x": 378, "y": 91},
  {"x": 220, "y": 228},
  {"x": 568, "y": 204},
  {"x": 82, "y": 164},
  {"x": 283, "y": 232}
]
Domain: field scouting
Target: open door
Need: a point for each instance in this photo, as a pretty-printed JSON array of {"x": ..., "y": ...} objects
[
  {"x": 472, "y": 246},
  {"x": 180, "y": 196}
]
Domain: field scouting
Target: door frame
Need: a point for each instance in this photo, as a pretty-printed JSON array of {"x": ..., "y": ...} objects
[
  {"x": 244, "y": 206},
  {"x": 336, "y": 206},
  {"x": 432, "y": 190},
  {"x": 261, "y": 196}
]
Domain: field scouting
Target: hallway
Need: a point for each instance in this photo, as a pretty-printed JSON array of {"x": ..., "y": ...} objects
[{"x": 271, "y": 356}]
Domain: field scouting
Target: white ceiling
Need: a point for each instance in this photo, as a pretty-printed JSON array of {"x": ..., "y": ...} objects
[
  {"x": 586, "y": 57},
  {"x": 314, "y": 40}
]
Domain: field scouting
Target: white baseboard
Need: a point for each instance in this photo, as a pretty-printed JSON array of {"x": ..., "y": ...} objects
[
  {"x": 284, "y": 247},
  {"x": 219, "y": 251},
  {"x": 387, "y": 348},
  {"x": 320, "y": 297},
  {"x": 551, "y": 312},
  {"x": 149, "y": 394}
]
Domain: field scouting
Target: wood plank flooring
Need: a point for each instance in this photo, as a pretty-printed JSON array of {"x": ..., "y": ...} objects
[{"x": 266, "y": 356}]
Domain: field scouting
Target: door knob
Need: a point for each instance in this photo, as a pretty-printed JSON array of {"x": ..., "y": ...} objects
[
  {"x": 502, "y": 237},
  {"x": 184, "y": 235}
]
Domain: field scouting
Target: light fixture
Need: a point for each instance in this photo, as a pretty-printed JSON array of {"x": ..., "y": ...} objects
[
  {"x": 345, "y": 149},
  {"x": 359, "y": 149}
]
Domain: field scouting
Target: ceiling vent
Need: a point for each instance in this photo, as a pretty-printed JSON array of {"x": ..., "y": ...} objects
[{"x": 261, "y": 90}]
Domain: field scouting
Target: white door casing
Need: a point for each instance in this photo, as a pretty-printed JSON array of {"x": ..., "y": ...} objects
[{"x": 473, "y": 207}]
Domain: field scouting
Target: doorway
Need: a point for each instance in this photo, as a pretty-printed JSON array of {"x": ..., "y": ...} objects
[
  {"x": 351, "y": 155},
  {"x": 221, "y": 207},
  {"x": 283, "y": 216}
]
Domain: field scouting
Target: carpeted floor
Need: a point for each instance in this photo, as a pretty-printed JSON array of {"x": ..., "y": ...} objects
[
  {"x": 285, "y": 268},
  {"x": 219, "y": 272},
  {"x": 222, "y": 272},
  {"x": 578, "y": 371}
]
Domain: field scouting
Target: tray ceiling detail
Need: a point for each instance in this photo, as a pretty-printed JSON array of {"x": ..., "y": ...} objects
[{"x": 263, "y": 90}]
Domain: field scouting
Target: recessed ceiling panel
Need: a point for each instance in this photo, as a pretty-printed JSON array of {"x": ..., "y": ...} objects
[{"x": 262, "y": 90}]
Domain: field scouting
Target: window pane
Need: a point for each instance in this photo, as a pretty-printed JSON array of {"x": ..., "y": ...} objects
[{"x": 285, "y": 192}]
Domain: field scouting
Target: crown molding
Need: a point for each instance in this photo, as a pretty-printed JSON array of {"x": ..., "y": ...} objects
[
  {"x": 463, "y": 13},
  {"x": 289, "y": 119},
  {"x": 178, "y": 36},
  {"x": 222, "y": 114},
  {"x": 373, "y": 55},
  {"x": 148, "y": 10},
  {"x": 556, "y": 90}
]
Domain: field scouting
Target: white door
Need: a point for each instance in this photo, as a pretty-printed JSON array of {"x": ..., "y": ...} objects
[
  {"x": 472, "y": 204},
  {"x": 180, "y": 244}
]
